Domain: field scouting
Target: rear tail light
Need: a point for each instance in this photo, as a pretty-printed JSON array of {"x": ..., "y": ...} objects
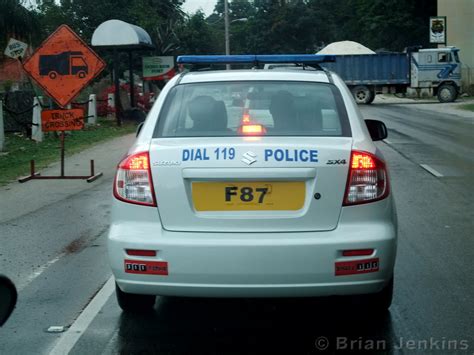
[
  {"x": 133, "y": 182},
  {"x": 367, "y": 180}
]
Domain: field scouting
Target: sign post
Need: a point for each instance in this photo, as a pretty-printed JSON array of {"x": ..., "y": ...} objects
[{"x": 62, "y": 66}]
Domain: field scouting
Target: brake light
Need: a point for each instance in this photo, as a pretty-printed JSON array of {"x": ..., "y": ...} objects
[
  {"x": 133, "y": 181},
  {"x": 367, "y": 180},
  {"x": 252, "y": 130}
]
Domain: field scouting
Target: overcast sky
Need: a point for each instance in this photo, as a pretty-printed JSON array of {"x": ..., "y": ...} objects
[{"x": 191, "y": 6}]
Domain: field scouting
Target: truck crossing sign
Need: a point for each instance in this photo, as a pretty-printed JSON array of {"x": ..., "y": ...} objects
[{"x": 63, "y": 65}]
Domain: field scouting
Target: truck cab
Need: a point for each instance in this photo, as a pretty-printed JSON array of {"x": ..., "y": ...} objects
[{"x": 437, "y": 69}]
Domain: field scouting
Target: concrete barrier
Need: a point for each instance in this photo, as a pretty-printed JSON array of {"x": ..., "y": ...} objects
[
  {"x": 110, "y": 104},
  {"x": 36, "y": 131},
  {"x": 92, "y": 110}
]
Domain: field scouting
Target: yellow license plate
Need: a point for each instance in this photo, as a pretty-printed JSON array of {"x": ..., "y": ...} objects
[{"x": 248, "y": 196}]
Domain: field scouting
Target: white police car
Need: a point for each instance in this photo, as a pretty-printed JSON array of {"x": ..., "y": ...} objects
[{"x": 253, "y": 183}]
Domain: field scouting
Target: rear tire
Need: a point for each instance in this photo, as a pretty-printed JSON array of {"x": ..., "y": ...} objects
[
  {"x": 362, "y": 94},
  {"x": 447, "y": 93},
  {"x": 380, "y": 302},
  {"x": 134, "y": 303},
  {"x": 372, "y": 98}
]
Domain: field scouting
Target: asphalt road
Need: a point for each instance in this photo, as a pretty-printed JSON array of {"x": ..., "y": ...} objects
[{"x": 57, "y": 256}]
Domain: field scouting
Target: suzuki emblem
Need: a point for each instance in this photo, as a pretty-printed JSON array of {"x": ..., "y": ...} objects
[{"x": 249, "y": 158}]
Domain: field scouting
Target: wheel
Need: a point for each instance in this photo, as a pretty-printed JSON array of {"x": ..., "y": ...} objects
[
  {"x": 362, "y": 94},
  {"x": 371, "y": 98},
  {"x": 447, "y": 93},
  {"x": 81, "y": 74},
  {"x": 52, "y": 75},
  {"x": 381, "y": 301},
  {"x": 134, "y": 303}
]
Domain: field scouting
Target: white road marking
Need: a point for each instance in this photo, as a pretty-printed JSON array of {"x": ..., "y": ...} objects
[
  {"x": 431, "y": 170},
  {"x": 73, "y": 334},
  {"x": 387, "y": 141},
  {"x": 38, "y": 272}
]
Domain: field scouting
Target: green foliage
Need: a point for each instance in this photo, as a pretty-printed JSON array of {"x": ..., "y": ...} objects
[
  {"x": 196, "y": 36},
  {"x": 305, "y": 26},
  {"x": 256, "y": 26},
  {"x": 16, "y": 21}
]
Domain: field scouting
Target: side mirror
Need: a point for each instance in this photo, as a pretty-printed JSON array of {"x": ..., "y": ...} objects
[
  {"x": 139, "y": 128},
  {"x": 8, "y": 298},
  {"x": 377, "y": 129}
]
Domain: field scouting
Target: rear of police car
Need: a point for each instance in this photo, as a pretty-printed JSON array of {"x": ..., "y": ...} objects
[{"x": 253, "y": 183}]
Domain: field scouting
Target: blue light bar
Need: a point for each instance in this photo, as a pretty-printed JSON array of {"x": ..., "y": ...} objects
[
  {"x": 215, "y": 59},
  {"x": 255, "y": 59},
  {"x": 295, "y": 58}
]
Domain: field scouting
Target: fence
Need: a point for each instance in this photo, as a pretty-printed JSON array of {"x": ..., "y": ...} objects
[{"x": 21, "y": 112}]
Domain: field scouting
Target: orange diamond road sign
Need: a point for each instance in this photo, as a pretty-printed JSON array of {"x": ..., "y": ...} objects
[{"x": 63, "y": 65}]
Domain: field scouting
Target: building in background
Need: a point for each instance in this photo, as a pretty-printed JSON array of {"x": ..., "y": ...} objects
[{"x": 460, "y": 33}]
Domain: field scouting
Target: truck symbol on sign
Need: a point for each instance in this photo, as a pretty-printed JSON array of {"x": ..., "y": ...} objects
[{"x": 65, "y": 63}]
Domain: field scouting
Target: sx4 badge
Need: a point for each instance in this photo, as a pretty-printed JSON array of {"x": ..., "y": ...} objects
[{"x": 146, "y": 267}]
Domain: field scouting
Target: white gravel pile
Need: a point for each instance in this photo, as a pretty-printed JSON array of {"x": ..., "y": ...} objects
[{"x": 345, "y": 47}]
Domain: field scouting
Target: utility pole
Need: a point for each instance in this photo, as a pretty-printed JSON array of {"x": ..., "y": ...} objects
[{"x": 226, "y": 26}]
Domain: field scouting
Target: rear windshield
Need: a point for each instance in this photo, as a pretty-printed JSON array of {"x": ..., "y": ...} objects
[{"x": 278, "y": 108}]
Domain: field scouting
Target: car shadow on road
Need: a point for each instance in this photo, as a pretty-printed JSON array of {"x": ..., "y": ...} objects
[{"x": 243, "y": 326}]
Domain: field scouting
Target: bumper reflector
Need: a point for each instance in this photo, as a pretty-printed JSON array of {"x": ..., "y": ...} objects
[
  {"x": 358, "y": 252},
  {"x": 139, "y": 252}
]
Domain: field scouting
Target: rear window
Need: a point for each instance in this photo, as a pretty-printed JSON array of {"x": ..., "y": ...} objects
[{"x": 280, "y": 108}]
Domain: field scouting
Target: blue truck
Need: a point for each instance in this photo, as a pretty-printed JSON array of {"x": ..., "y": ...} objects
[{"x": 437, "y": 70}]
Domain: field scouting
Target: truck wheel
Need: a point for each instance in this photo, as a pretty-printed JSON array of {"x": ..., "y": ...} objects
[
  {"x": 81, "y": 74},
  {"x": 134, "y": 303},
  {"x": 372, "y": 98},
  {"x": 362, "y": 94},
  {"x": 447, "y": 93},
  {"x": 52, "y": 75}
]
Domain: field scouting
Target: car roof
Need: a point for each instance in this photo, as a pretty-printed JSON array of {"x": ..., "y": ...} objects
[{"x": 254, "y": 74}]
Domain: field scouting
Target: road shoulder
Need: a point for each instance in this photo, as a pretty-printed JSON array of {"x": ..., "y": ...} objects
[{"x": 19, "y": 199}]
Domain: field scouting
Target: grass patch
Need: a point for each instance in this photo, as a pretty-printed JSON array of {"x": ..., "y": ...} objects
[
  {"x": 468, "y": 107},
  {"x": 21, "y": 150}
]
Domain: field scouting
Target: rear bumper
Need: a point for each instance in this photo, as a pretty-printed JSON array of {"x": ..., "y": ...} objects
[{"x": 255, "y": 264}]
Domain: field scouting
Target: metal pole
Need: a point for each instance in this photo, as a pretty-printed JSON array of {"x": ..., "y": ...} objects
[
  {"x": 62, "y": 153},
  {"x": 130, "y": 71},
  {"x": 226, "y": 29},
  {"x": 2, "y": 132},
  {"x": 118, "y": 106}
]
